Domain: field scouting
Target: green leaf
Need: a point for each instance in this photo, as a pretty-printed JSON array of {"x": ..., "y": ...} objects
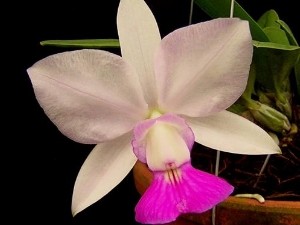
[
  {"x": 276, "y": 35},
  {"x": 221, "y": 8},
  {"x": 273, "y": 65},
  {"x": 268, "y": 19},
  {"x": 288, "y": 32},
  {"x": 269, "y": 23},
  {"x": 249, "y": 91},
  {"x": 83, "y": 43},
  {"x": 297, "y": 75},
  {"x": 277, "y": 46}
]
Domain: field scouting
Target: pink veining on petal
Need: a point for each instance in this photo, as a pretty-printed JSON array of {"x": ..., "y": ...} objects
[
  {"x": 194, "y": 191},
  {"x": 202, "y": 190},
  {"x": 141, "y": 129},
  {"x": 158, "y": 203}
]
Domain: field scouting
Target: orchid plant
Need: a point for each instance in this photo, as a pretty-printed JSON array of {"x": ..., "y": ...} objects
[
  {"x": 152, "y": 104},
  {"x": 271, "y": 98},
  {"x": 269, "y": 94}
]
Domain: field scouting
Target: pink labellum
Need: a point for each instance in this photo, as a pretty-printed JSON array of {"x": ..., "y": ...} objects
[{"x": 180, "y": 190}]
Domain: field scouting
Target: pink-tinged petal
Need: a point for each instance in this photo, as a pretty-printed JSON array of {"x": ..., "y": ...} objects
[
  {"x": 229, "y": 132},
  {"x": 203, "y": 68},
  {"x": 90, "y": 95},
  {"x": 163, "y": 140},
  {"x": 105, "y": 167},
  {"x": 193, "y": 191},
  {"x": 139, "y": 37}
]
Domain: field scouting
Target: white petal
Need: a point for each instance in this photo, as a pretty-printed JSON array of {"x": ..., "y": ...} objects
[
  {"x": 105, "y": 167},
  {"x": 203, "y": 68},
  {"x": 139, "y": 37},
  {"x": 90, "y": 95},
  {"x": 228, "y": 132}
]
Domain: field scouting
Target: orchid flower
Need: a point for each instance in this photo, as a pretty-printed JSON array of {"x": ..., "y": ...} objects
[{"x": 151, "y": 104}]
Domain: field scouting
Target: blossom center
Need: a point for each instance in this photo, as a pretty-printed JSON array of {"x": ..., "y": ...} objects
[{"x": 163, "y": 142}]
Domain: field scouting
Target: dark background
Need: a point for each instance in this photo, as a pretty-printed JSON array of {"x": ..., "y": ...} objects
[{"x": 42, "y": 164}]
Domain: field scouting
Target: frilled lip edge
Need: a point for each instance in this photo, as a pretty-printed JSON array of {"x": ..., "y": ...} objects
[{"x": 243, "y": 210}]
